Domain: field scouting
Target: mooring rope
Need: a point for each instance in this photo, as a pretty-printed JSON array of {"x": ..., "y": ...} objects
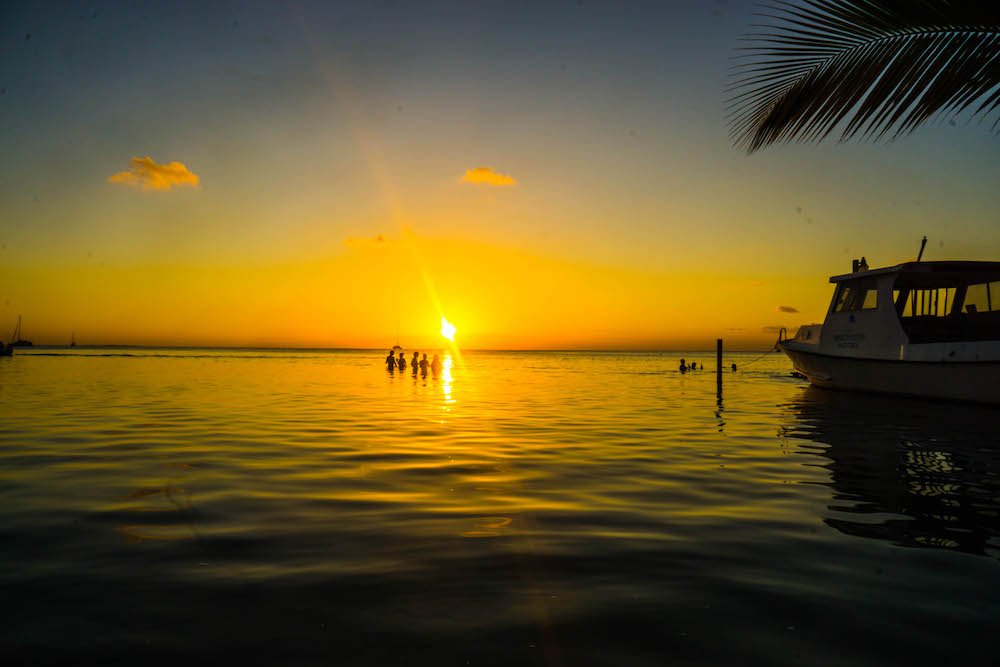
[{"x": 781, "y": 336}]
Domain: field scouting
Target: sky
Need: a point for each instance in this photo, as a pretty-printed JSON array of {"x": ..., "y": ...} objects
[{"x": 545, "y": 175}]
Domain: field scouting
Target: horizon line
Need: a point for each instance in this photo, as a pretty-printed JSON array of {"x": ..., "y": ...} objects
[{"x": 371, "y": 349}]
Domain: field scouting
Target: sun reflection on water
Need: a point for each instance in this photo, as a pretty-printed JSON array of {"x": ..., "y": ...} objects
[{"x": 446, "y": 379}]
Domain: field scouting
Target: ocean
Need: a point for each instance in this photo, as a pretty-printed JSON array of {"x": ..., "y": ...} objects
[{"x": 523, "y": 508}]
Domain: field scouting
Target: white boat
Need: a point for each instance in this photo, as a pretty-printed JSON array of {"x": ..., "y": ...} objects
[{"x": 929, "y": 329}]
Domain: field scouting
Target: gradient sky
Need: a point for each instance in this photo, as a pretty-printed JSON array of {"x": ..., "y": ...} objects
[{"x": 336, "y": 148}]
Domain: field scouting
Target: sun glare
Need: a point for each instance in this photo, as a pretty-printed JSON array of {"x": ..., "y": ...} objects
[{"x": 447, "y": 329}]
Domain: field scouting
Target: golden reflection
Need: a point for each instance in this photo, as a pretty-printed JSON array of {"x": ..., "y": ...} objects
[
  {"x": 446, "y": 378},
  {"x": 488, "y": 527}
]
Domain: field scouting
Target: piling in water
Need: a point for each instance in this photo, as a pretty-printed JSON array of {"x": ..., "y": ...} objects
[{"x": 718, "y": 367}]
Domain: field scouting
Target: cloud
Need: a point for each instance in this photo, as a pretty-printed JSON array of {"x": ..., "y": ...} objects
[
  {"x": 773, "y": 329},
  {"x": 787, "y": 309},
  {"x": 145, "y": 173},
  {"x": 487, "y": 176}
]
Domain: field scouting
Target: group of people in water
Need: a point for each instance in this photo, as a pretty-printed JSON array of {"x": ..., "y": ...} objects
[
  {"x": 393, "y": 364},
  {"x": 695, "y": 366}
]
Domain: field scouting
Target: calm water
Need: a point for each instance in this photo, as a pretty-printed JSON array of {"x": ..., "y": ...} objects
[{"x": 537, "y": 508}]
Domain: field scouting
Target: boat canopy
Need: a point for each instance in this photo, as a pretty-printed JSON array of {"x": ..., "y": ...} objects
[{"x": 929, "y": 275}]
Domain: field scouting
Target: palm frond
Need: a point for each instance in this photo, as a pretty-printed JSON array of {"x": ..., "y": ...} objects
[{"x": 874, "y": 69}]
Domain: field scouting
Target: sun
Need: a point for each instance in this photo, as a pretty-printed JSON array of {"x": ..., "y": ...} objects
[{"x": 448, "y": 329}]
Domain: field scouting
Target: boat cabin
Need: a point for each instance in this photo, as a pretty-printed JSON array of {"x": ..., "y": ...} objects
[
  {"x": 884, "y": 312},
  {"x": 929, "y": 329}
]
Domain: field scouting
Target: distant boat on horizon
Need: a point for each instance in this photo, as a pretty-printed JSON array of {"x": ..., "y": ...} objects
[
  {"x": 15, "y": 338},
  {"x": 928, "y": 329},
  {"x": 72, "y": 339}
]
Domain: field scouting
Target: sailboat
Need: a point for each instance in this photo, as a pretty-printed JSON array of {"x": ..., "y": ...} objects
[
  {"x": 397, "y": 348},
  {"x": 15, "y": 338},
  {"x": 72, "y": 339}
]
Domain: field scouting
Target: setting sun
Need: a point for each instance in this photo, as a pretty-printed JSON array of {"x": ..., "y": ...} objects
[{"x": 447, "y": 329}]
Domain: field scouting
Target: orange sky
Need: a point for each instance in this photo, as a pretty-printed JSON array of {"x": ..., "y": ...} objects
[
  {"x": 357, "y": 297},
  {"x": 568, "y": 186}
]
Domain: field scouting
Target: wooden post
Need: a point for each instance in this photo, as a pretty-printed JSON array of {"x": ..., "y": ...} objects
[{"x": 718, "y": 367}]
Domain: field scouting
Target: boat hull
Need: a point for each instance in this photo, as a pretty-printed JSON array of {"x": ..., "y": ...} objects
[{"x": 973, "y": 381}]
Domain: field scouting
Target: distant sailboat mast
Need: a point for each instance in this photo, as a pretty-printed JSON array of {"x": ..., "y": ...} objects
[
  {"x": 396, "y": 347},
  {"x": 16, "y": 339}
]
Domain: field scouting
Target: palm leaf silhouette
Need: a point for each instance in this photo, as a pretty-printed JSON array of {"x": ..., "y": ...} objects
[{"x": 875, "y": 68}]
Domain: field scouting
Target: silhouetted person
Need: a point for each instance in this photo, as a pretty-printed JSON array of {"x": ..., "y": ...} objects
[
  {"x": 694, "y": 365},
  {"x": 390, "y": 361},
  {"x": 435, "y": 366},
  {"x": 424, "y": 364},
  {"x": 683, "y": 367},
  {"x": 401, "y": 364},
  {"x": 734, "y": 368},
  {"x": 415, "y": 362},
  {"x": 863, "y": 266}
]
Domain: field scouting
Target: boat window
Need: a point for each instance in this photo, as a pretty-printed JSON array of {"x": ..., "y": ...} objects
[
  {"x": 982, "y": 298},
  {"x": 930, "y": 302},
  {"x": 856, "y": 297},
  {"x": 934, "y": 314},
  {"x": 899, "y": 298}
]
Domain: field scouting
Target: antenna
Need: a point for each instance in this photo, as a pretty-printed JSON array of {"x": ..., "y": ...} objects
[{"x": 923, "y": 242}]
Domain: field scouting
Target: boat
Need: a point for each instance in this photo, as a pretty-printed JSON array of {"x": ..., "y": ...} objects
[
  {"x": 72, "y": 339},
  {"x": 15, "y": 338},
  {"x": 929, "y": 329}
]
